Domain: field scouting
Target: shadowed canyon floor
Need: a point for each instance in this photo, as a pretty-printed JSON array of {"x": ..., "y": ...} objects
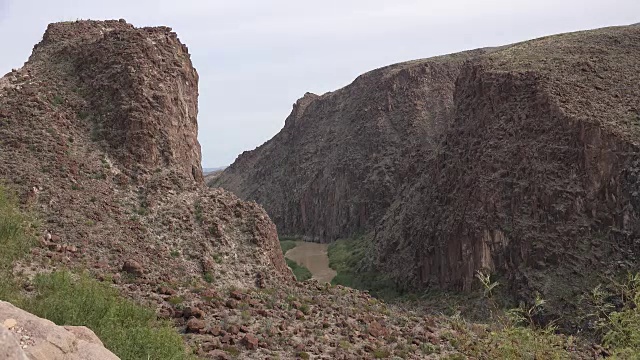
[{"x": 314, "y": 257}]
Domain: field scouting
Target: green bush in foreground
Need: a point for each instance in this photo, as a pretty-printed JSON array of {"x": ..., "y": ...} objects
[
  {"x": 621, "y": 327},
  {"x": 129, "y": 330},
  {"x": 14, "y": 241},
  {"x": 301, "y": 272}
]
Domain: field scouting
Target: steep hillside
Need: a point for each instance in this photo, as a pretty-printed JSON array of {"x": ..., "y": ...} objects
[
  {"x": 520, "y": 160},
  {"x": 342, "y": 157},
  {"x": 537, "y": 178},
  {"x": 98, "y": 132}
]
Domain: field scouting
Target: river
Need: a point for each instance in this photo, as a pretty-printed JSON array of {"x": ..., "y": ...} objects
[{"x": 314, "y": 257}]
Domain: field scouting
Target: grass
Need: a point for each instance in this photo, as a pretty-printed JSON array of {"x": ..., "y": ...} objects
[
  {"x": 16, "y": 239},
  {"x": 301, "y": 272},
  {"x": 129, "y": 330},
  {"x": 287, "y": 245},
  {"x": 346, "y": 257}
]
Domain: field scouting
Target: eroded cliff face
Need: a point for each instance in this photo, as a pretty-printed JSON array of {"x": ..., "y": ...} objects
[
  {"x": 98, "y": 136},
  {"x": 140, "y": 88},
  {"x": 537, "y": 178},
  {"x": 342, "y": 157}
]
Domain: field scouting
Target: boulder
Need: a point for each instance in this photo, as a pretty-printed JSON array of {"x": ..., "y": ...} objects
[{"x": 43, "y": 340}]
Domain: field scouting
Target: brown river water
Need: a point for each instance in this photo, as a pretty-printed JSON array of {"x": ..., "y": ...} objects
[{"x": 314, "y": 257}]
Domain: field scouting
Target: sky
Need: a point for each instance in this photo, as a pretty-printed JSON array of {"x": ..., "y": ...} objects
[{"x": 257, "y": 57}]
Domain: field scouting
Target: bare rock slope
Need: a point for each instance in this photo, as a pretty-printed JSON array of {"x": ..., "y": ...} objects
[{"x": 520, "y": 160}]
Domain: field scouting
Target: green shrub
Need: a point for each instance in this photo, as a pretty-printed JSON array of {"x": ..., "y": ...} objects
[
  {"x": 15, "y": 241},
  {"x": 208, "y": 277},
  {"x": 621, "y": 328},
  {"x": 129, "y": 330},
  {"x": 301, "y": 272},
  {"x": 346, "y": 257},
  {"x": 287, "y": 245}
]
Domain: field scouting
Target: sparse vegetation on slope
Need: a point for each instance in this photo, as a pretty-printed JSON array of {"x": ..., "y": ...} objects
[
  {"x": 131, "y": 331},
  {"x": 287, "y": 245},
  {"x": 346, "y": 257},
  {"x": 14, "y": 241},
  {"x": 301, "y": 272}
]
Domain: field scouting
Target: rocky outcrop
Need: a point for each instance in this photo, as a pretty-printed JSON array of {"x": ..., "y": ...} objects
[
  {"x": 342, "y": 157},
  {"x": 537, "y": 177},
  {"x": 26, "y": 336},
  {"x": 113, "y": 161},
  {"x": 140, "y": 87}
]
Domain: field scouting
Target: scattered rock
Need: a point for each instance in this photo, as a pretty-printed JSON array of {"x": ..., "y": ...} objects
[
  {"x": 195, "y": 325},
  {"x": 250, "y": 341},
  {"x": 132, "y": 267}
]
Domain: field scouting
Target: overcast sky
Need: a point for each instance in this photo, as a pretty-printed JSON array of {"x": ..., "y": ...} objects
[{"x": 257, "y": 57}]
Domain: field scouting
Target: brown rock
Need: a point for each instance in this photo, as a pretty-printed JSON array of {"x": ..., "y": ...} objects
[
  {"x": 195, "y": 325},
  {"x": 9, "y": 346},
  {"x": 250, "y": 341},
  {"x": 232, "y": 304},
  {"x": 132, "y": 267},
  {"x": 49, "y": 340},
  {"x": 376, "y": 330},
  {"x": 219, "y": 355}
]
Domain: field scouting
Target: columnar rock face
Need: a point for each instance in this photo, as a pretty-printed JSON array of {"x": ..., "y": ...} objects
[
  {"x": 342, "y": 157},
  {"x": 26, "y": 336},
  {"x": 521, "y": 160},
  {"x": 537, "y": 178}
]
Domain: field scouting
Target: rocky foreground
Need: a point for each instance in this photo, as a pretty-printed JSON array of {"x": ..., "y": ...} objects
[{"x": 25, "y": 336}]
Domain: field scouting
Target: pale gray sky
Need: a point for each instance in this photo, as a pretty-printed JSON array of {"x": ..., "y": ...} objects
[{"x": 257, "y": 57}]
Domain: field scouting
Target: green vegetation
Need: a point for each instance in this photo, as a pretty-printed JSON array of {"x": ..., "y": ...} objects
[
  {"x": 287, "y": 245},
  {"x": 346, "y": 258},
  {"x": 198, "y": 212},
  {"x": 620, "y": 326},
  {"x": 301, "y": 272},
  {"x": 129, "y": 330},
  {"x": 15, "y": 242},
  {"x": 208, "y": 277},
  {"x": 57, "y": 100},
  {"x": 513, "y": 334}
]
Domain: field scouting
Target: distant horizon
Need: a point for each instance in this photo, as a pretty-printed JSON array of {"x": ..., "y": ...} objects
[{"x": 255, "y": 59}]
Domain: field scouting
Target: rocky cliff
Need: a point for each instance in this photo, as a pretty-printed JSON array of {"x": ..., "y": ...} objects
[
  {"x": 536, "y": 178},
  {"x": 520, "y": 160},
  {"x": 342, "y": 157},
  {"x": 99, "y": 134}
]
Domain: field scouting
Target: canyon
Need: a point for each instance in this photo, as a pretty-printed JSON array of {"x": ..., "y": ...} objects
[{"x": 518, "y": 161}]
